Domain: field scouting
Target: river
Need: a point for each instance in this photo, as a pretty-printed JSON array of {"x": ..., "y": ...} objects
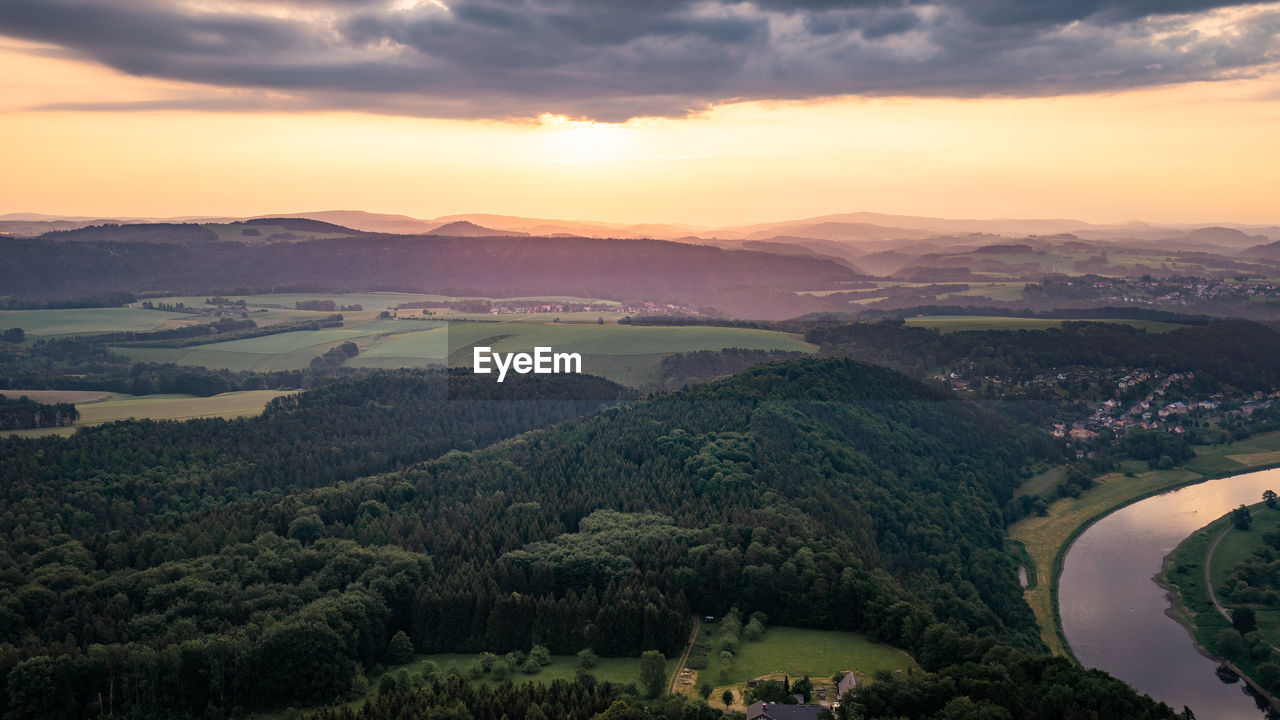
[{"x": 1113, "y": 613}]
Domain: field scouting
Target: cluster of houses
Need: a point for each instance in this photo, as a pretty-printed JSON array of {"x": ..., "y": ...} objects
[{"x": 801, "y": 710}]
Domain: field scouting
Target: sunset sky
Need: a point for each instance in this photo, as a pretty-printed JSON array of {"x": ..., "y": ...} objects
[{"x": 702, "y": 112}]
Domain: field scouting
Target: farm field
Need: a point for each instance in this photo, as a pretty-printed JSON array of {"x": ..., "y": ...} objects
[
  {"x": 624, "y": 353},
  {"x": 284, "y": 351},
  {"x": 83, "y": 321},
  {"x": 994, "y": 290},
  {"x": 161, "y": 407},
  {"x": 957, "y": 323}
]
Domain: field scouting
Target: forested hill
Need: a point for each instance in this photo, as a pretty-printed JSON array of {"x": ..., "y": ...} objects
[
  {"x": 824, "y": 493},
  {"x": 494, "y": 267}
]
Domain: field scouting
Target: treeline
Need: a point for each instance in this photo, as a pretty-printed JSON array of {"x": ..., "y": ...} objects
[
  {"x": 1243, "y": 354},
  {"x": 223, "y": 330},
  {"x": 453, "y": 698},
  {"x": 325, "y": 306},
  {"x": 24, "y": 413},
  {"x": 87, "y": 363},
  {"x": 104, "y": 300},
  {"x": 1005, "y": 686},
  {"x": 1059, "y": 313},
  {"x": 704, "y": 365}
]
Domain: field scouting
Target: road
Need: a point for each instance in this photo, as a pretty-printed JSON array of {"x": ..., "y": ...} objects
[{"x": 675, "y": 674}]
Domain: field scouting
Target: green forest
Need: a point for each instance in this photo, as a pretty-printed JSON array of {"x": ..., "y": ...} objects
[{"x": 203, "y": 568}]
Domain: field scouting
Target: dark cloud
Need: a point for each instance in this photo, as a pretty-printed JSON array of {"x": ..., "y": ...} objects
[{"x": 614, "y": 60}]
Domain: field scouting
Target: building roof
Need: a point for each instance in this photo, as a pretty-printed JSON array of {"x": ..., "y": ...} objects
[
  {"x": 847, "y": 683},
  {"x": 774, "y": 711}
]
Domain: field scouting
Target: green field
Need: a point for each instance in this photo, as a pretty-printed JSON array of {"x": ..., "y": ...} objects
[
  {"x": 796, "y": 652},
  {"x": 162, "y": 407},
  {"x": 957, "y": 323},
  {"x": 83, "y": 321},
  {"x": 624, "y": 353},
  {"x": 995, "y": 291},
  {"x": 816, "y": 653},
  {"x": 287, "y": 351}
]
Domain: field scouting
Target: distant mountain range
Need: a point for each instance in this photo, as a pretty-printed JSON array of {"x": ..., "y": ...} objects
[{"x": 866, "y": 232}]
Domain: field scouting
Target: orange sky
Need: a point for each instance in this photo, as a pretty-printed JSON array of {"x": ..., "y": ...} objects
[{"x": 1198, "y": 152}]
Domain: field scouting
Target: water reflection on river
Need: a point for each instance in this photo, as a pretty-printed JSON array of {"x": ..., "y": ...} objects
[{"x": 1113, "y": 613}]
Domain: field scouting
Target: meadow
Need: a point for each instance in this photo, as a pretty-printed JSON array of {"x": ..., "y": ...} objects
[
  {"x": 83, "y": 321},
  {"x": 624, "y": 353},
  {"x": 797, "y": 653}
]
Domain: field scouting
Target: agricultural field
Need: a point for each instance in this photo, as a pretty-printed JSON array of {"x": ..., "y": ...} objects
[
  {"x": 284, "y": 351},
  {"x": 994, "y": 290},
  {"x": 115, "y": 406},
  {"x": 624, "y": 353},
  {"x": 84, "y": 321}
]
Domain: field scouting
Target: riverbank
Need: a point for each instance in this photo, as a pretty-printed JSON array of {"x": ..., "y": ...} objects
[
  {"x": 1046, "y": 538},
  {"x": 1189, "y": 574}
]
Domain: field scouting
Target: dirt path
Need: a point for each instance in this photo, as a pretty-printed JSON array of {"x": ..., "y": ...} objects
[
  {"x": 1208, "y": 582},
  {"x": 675, "y": 674}
]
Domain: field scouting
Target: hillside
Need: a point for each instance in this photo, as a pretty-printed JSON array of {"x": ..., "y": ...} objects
[
  {"x": 464, "y": 228},
  {"x": 749, "y": 284},
  {"x": 877, "y": 496}
]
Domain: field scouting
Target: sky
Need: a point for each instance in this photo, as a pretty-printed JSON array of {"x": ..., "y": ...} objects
[{"x": 702, "y": 112}]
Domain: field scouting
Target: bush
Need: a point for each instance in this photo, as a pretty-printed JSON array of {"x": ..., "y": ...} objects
[
  {"x": 587, "y": 659},
  {"x": 540, "y": 654}
]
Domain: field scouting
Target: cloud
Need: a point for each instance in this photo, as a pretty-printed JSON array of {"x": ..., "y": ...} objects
[{"x": 615, "y": 60}]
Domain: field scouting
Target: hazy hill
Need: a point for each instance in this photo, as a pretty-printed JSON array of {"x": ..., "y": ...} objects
[
  {"x": 744, "y": 283},
  {"x": 367, "y": 221},
  {"x": 464, "y": 228}
]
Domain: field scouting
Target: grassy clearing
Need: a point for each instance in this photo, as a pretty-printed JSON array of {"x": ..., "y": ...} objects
[
  {"x": 1046, "y": 538},
  {"x": 83, "y": 321},
  {"x": 958, "y": 323},
  {"x": 162, "y": 407},
  {"x": 796, "y": 652},
  {"x": 816, "y": 653}
]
